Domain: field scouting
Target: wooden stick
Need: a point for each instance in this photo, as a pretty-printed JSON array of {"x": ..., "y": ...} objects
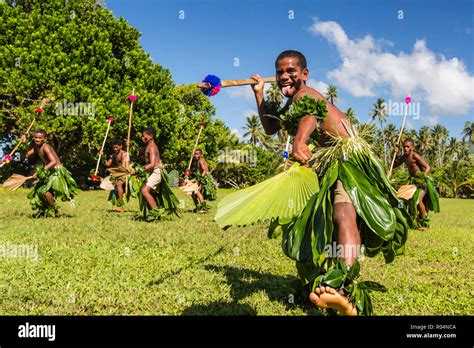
[
  {"x": 129, "y": 129},
  {"x": 102, "y": 148},
  {"x": 43, "y": 103},
  {"x": 195, "y": 145},
  {"x": 128, "y": 139},
  {"x": 231, "y": 83},
  {"x": 398, "y": 141}
]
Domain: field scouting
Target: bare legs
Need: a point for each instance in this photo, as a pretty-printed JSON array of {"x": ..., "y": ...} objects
[
  {"x": 146, "y": 191},
  {"x": 344, "y": 217}
]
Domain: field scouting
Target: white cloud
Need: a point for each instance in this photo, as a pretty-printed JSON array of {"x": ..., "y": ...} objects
[
  {"x": 241, "y": 92},
  {"x": 430, "y": 121},
  {"x": 445, "y": 85},
  {"x": 244, "y": 92},
  {"x": 320, "y": 86}
]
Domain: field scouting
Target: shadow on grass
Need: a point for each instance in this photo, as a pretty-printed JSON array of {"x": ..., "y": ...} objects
[
  {"x": 245, "y": 282},
  {"x": 190, "y": 264}
]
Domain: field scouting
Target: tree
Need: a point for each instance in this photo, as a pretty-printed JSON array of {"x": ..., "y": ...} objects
[
  {"x": 274, "y": 94},
  {"x": 425, "y": 142},
  {"x": 254, "y": 131},
  {"x": 379, "y": 112},
  {"x": 440, "y": 134},
  {"x": 468, "y": 131},
  {"x": 77, "y": 53},
  {"x": 350, "y": 114},
  {"x": 390, "y": 134},
  {"x": 331, "y": 94}
]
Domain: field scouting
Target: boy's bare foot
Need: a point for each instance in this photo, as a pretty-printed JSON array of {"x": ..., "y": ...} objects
[
  {"x": 202, "y": 211},
  {"x": 118, "y": 209},
  {"x": 327, "y": 297}
]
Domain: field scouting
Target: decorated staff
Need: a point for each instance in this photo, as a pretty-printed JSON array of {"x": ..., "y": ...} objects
[
  {"x": 285, "y": 153},
  {"x": 132, "y": 97},
  {"x": 95, "y": 177},
  {"x": 407, "y": 101},
  {"x": 188, "y": 169},
  {"x": 8, "y": 158},
  {"x": 211, "y": 84}
]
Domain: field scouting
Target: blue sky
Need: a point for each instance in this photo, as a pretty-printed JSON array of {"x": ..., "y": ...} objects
[{"x": 374, "y": 38}]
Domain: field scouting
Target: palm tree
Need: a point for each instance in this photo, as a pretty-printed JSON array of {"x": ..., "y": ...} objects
[
  {"x": 468, "y": 131},
  {"x": 379, "y": 111},
  {"x": 350, "y": 114},
  {"x": 255, "y": 132},
  {"x": 274, "y": 94},
  {"x": 425, "y": 142},
  {"x": 440, "y": 134},
  {"x": 331, "y": 94},
  {"x": 390, "y": 134}
]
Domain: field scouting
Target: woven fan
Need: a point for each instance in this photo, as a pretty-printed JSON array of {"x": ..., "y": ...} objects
[
  {"x": 15, "y": 181},
  {"x": 406, "y": 192},
  {"x": 106, "y": 184},
  {"x": 119, "y": 172},
  {"x": 190, "y": 187},
  {"x": 283, "y": 196}
]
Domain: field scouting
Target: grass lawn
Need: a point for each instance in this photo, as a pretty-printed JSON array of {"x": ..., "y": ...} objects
[{"x": 94, "y": 262}]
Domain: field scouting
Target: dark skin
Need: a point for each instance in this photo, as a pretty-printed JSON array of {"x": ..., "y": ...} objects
[
  {"x": 203, "y": 169},
  {"x": 122, "y": 161},
  {"x": 415, "y": 163},
  {"x": 47, "y": 155},
  {"x": 152, "y": 158},
  {"x": 291, "y": 79}
]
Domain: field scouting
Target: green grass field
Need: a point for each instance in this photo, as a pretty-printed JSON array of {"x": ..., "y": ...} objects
[{"x": 94, "y": 262}]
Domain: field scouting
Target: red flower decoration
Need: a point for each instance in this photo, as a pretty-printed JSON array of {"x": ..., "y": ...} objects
[
  {"x": 110, "y": 119},
  {"x": 132, "y": 97},
  {"x": 38, "y": 110},
  {"x": 202, "y": 124},
  {"x": 408, "y": 100},
  {"x": 7, "y": 159},
  {"x": 95, "y": 177}
]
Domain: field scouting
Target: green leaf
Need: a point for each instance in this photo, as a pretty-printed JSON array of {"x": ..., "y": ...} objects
[
  {"x": 284, "y": 196},
  {"x": 372, "y": 286},
  {"x": 334, "y": 278},
  {"x": 368, "y": 201}
]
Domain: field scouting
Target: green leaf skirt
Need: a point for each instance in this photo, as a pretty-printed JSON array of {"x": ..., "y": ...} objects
[
  {"x": 59, "y": 182},
  {"x": 383, "y": 221},
  {"x": 430, "y": 200}
]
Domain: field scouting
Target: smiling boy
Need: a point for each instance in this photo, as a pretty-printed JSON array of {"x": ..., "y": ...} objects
[{"x": 338, "y": 206}]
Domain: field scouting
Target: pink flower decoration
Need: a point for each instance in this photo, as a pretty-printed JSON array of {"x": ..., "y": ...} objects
[
  {"x": 110, "y": 119},
  {"x": 132, "y": 97},
  {"x": 408, "y": 100},
  {"x": 38, "y": 110},
  {"x": 7, "y": 159}
]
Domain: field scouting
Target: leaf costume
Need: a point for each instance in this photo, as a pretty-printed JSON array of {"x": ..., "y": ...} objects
[
  {"x": 206, "y": 186},
  {"x": 59, "y": 182},
  {"x": 383, "y": 220},
  {"x": 423, "y": 182},
  {"x": 166, "y": 201}
]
